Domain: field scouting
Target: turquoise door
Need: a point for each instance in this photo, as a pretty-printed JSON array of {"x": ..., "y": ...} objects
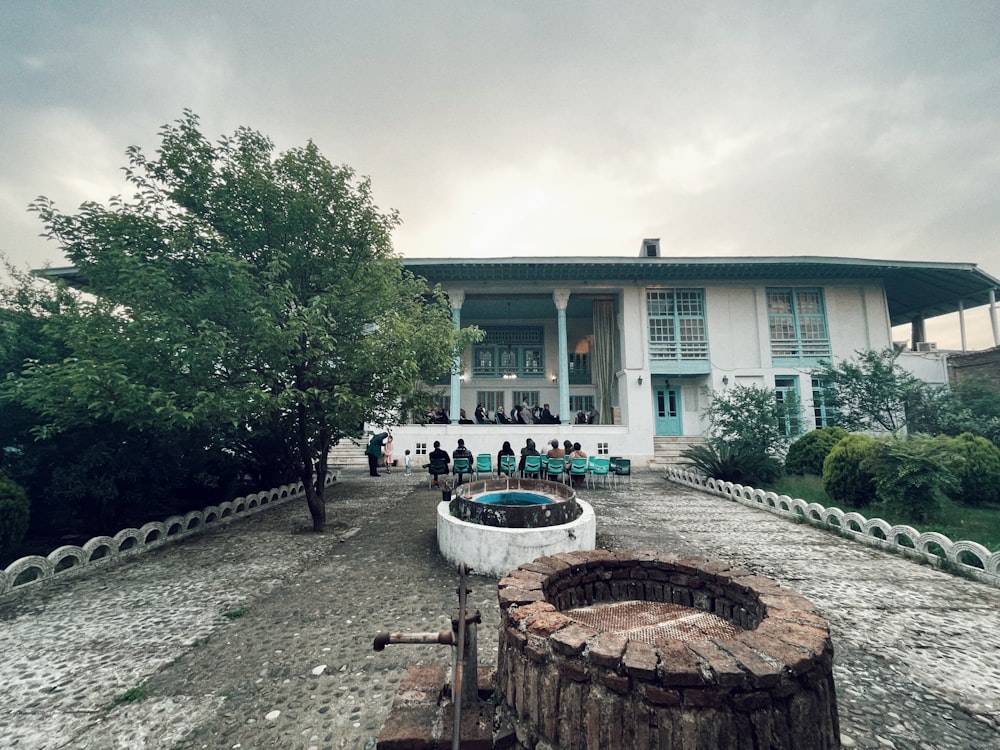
[{"x": 668, "y": 410}]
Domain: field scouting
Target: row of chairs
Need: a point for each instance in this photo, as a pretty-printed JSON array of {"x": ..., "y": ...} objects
[{"x": 593, "y": 469}]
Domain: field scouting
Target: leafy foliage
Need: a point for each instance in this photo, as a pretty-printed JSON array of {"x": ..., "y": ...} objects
[
  {"x": 751, "y": 419},
  {"x": 14, "y": 513},
  {"x": 869, "y": 394},
  {"x": 975, "y": 462},
  {"x": 847, "y": 478},
  {"x": 806, "y": 455},
  {"x": 733, "y": 462},
  {"x": 247, "y": 300},
  {"x": 971, "y": 404},
  {"x": 911, "y": 480}
]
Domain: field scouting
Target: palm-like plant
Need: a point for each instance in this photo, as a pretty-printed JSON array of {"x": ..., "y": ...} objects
[{"x": 732, "y": 462}]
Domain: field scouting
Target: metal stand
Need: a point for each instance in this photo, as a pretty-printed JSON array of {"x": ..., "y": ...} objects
[{"x": 465, "y": 661}]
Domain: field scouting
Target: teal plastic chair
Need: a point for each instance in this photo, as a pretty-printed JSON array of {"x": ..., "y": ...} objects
[
  {"x": 578, "y": 468},
  {"x": 508, "y": 465},
  {"x": 532, "y": 467},
  {"x": 437, "y": 468},
  {"x": 555, "y": 469},
  {"x": 460, "y": 467},
  {"x": 598, "y": 468},
  {"x": 622, "y": 468},
  {"x": 484, "y": 465}
]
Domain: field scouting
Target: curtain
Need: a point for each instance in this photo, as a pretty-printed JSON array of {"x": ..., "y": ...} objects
[{"x": 604, "y": 355}]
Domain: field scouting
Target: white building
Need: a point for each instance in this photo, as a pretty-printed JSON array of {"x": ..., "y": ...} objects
[{"x": 646, "y": 339}]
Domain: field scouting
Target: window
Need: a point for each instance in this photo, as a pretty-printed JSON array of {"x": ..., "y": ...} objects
[
  {"x": 823, "y": 413},
  {"x": 786, "y": 393},
  {"x": 602, "y": 449},
  {"x": 420, "y": 449},
  {"x": 518, "y": 396},
  {"x": 580, "y": 403},
  {"x": 490, "y": 399},
  {"x": 518, "y": 351},
  {"x": 797, "y": 323},
  {"x": 677, "y": 328}
]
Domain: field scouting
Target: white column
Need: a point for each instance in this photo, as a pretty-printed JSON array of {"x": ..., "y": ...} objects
[
  {"x": 457, "y": 299},
  {"x": 961, "y": 322},
  {"x": 561, "y": 299},
  {"x": 993, "y": 317}
]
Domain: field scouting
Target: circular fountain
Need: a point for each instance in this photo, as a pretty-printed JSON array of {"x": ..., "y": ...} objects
[{"x": 498, "y": 524}]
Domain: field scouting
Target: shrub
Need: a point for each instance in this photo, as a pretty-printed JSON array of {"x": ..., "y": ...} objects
[
  {"x": 752, "y": 418},
  {"x": 806, "y": 455},
  {"x": 845, "y": 478},
  {"x": 732, "y": 462},
  {"x": 975, "y": 462},
  {"x": 911, "y": 478},
  {"x": 14, "y": 515}
]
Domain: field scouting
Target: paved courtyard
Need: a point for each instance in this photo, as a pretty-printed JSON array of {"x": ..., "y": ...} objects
[{"x": 917, "y": 651}]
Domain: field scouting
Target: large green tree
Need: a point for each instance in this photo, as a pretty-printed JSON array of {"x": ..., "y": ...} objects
[
  {"x": 243, "y": 291},
  {"x": 870, "y": 392}
]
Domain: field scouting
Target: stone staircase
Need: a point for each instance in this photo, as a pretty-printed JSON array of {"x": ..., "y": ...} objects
[
  {"x": 667, "y": 449},
  {"x": 349, "y": 455}
]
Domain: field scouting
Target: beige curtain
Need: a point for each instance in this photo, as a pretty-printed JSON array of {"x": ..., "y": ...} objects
[{"x": 604, "y": 355}]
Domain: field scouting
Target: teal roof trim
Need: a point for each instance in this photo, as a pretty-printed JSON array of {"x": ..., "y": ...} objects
[{"x": 913, "y": 288}]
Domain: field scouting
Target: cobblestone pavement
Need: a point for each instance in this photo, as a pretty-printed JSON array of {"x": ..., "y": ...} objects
[{"x": 917, "y": 651}]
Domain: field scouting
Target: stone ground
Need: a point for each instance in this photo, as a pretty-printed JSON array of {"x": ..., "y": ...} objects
[{"x": 917, "y": 651}]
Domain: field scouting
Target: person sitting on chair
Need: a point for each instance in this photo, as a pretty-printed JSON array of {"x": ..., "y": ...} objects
[
  {"x": 462, "y": 452},
  {"x": 439, "y": 460},
  {"x": 501, "y": 416}
]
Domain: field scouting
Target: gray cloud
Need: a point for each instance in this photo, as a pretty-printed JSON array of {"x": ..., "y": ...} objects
[{"x": 859, "y": 129}]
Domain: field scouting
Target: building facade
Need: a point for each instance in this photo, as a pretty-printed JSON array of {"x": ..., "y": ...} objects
[{"x": 644, "y": 342}]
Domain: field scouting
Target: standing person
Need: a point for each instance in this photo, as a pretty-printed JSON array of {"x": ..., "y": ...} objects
[
  {"x": 592, "y": 416},
  {"x": 374, "y": 452},
  {"x": 387, "y": 455},
  {"x": 525, "y": 413},
  {"x": 407, "y": 462}
]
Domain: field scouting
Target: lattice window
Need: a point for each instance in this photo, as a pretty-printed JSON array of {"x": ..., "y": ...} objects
[
  {"x": 786, "y": 393},
  {"x": 677, "y": 327},
  {"x": 797, "y": 323},
  {"x": 518, "y": 351},
  {"x": 823, "y": 413}
]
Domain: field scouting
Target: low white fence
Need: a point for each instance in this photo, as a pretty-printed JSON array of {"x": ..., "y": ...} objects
[
  {"x": 104, "y": 550},
  {"x": 968, "y": 558}
]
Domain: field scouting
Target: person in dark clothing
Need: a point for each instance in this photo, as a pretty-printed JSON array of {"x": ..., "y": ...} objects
[
  {"x": 462, "y": 452},
  {"x": 505, "y": 451},
  {"x": 438, "y": 459},
  {"x": 374, "y": 452},
  {"x": 528, "y": 450},
  {"x": 501, "y": 416}
]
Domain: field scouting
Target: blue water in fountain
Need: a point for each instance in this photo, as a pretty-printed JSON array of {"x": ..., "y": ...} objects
[{"x": 513, "y": 498}]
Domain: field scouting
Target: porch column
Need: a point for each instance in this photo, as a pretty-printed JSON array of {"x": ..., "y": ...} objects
[
  {"x": 993, "y": 317},
  {"x": 561, "y": 298},
  {"x": 961, "y": 322},
  {"x": 917, "y": 332},
  {"x": 457, "y": 299}
]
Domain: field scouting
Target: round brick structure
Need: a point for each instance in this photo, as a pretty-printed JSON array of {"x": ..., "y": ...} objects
[{"x": 606, "y": 649}]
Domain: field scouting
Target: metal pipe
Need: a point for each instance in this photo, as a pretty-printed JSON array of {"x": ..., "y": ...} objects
[
  {"x": 384, "y": 639},
  {"x": 456, "y": 680}
]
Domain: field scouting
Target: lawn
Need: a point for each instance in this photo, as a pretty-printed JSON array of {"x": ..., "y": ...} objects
[{"x": 957, "y": 522}]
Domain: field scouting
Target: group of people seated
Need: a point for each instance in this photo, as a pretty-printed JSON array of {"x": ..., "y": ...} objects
[
  {"x": 440, "y": 462},
  {"x": 522, "y": 413}
]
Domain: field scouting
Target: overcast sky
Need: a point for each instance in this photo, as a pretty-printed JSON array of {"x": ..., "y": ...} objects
[{"x": 532, "y": 127}]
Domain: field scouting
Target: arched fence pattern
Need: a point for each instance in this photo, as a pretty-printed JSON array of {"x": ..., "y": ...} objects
[
  {"x": 104, "y": 550},
  {"x": 970, "y": 558}
]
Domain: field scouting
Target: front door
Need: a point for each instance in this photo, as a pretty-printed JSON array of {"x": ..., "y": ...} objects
[{"x": 668, "y": 410}]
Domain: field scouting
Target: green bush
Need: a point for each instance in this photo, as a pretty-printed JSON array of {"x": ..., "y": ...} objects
[
  {"x": 806, "y": 455},
  {"x": 912, "y": 480},
  {"x": 975, "y": 462},
  {"x": 14, "y": 515},
  {"x": 733, "y": 462},
  {"x": 845, "y": 478}
]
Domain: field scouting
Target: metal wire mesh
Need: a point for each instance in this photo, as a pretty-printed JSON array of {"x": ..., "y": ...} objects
[{"x": 653, "y": 622}]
